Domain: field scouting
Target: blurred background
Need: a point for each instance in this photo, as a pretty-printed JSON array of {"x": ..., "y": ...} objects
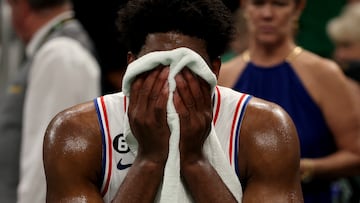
[{"x": 98, "y": 18}]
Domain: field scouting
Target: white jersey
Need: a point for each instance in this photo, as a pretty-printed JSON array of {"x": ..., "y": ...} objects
[{"x": 229, "y": 109}]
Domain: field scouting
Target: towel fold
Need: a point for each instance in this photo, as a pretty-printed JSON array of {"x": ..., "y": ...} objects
[{"x": 172, "y": 188}]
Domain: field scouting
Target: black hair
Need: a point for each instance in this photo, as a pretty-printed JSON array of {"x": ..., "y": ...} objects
[
  {"x": 233, "y": 5},
  {"x": 209, "y": 20},
  {"x": 43, "y": 4}
]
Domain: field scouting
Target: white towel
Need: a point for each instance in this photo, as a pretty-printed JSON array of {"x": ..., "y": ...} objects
[{"x": 172, "y": 188}]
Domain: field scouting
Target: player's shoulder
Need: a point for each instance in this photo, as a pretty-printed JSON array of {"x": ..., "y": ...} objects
[
  {"x": 268, "y": 145},
  {"x": 78, "y": 122},
  {"x": 85, "y": 116},
  {"x": 267, "y": 113},
  {"x": 72, "y": 147},
  {"x": 268, "y": 128}
]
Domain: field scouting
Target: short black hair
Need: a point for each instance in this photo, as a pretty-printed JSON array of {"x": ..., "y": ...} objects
[{"x": 209, "y": 20}]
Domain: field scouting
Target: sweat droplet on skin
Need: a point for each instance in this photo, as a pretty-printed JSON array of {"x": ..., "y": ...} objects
[{"x": 76, "y": 144}]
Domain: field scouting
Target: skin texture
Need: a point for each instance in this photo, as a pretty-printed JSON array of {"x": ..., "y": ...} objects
[
  {"x": 271, "y": 40},
  {"x": 267, "y": 133}
]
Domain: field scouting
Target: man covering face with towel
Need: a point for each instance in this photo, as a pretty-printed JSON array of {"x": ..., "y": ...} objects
[{"x": 172, "y": 135}]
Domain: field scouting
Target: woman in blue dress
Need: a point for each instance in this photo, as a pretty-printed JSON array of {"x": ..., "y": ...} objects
[{"x": 312, "y": 89}]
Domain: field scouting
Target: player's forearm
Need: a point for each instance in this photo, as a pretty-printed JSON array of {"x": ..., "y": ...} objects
[
  {"x": 204, "y": 184},
  {"x": 141, "y": 183}
]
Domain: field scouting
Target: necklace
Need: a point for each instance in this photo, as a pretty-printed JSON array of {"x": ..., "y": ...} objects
[{"x": 290, "y": 57}]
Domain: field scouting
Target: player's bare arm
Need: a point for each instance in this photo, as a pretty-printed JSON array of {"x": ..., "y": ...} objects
[
  {"x": 269, "y": 155},
  {"x": 72, "y": 156}
]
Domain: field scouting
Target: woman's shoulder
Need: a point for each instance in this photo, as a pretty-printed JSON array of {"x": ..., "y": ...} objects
[
  {"x": 318, "y": 75},
  {"x": 231, "y": 70},
  {"x": 316, "y": 63}
]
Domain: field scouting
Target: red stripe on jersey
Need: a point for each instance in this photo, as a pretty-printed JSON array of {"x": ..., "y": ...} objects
[
  {"x": 217, "y": 109},
  {"x": 109, "y": 147},
  {"x": 233, "y": 128},
  {"x": 124, "y": 103}
]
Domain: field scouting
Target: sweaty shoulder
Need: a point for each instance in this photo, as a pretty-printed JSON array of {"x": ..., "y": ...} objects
[
  {"x": 230, "y": 71},
  {"x": 75, "y": 123},
  {"x": 72, "y": 154},
  {"x": 73, "y": 135},
  {"x": 268, "y": 139}
]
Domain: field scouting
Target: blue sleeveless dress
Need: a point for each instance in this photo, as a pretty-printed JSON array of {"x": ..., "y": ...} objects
[{"x": 281, "y": 85}]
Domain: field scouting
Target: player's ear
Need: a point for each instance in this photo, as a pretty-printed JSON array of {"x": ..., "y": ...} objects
[
  {"x": 216, "y": 64},
  {"x": 130, "y": 57}
]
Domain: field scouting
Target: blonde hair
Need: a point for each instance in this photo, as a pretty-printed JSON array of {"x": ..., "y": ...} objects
[{"x": 346, "y": 27}]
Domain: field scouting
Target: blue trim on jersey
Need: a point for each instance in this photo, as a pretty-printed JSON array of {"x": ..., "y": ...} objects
[
  {"x": 237, "y": 135},
  {"x": 103, "y": 142}
]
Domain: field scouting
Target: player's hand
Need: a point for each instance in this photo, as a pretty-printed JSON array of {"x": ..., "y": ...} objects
[
  {"x": 147, "y": 114},
  {"x": 192, "y": 100}
]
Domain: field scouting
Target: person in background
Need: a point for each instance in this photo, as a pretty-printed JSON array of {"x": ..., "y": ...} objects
[
  {"x": 11, "y": 54},
  {"x": 60, "y": 70},
  {"x": 344, "y": 31},
  {"x": 312, "y": 89},
  {"x": 88, "y": 160},
  {"x": 11, "y": 48}
]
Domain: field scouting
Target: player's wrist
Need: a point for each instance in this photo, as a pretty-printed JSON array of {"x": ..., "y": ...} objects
[
  {"x": 188, "y": 168},
  {"x": 147, "y": 159},
  {"x": 189, "y": 158}
]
